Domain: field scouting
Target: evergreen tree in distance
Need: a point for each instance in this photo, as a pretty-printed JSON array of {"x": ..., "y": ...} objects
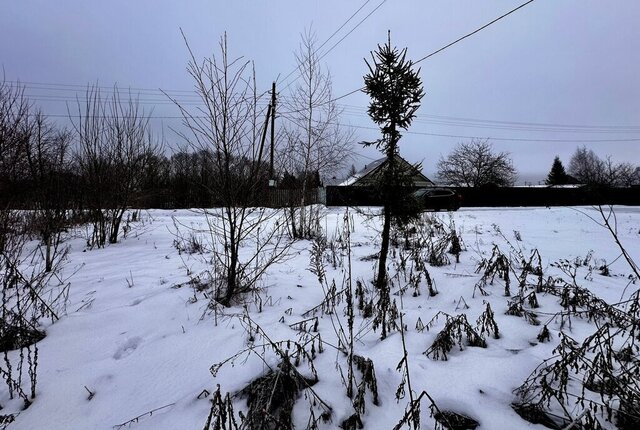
[
  {"x": 395, "y": 89},
  {"x": 557, "y": 175}
]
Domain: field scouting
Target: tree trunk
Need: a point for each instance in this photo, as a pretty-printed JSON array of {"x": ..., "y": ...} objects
[
  {"x": 389, "y": 184},
  {"x": 381, "y": 279},
  {"x": 115, "y": 228},
  {"x": 232, "y": 270},
  {"x": 292, "y": 212},
  {"x": 48, "y": 263}
]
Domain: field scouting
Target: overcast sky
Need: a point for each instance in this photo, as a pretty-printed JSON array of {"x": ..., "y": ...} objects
[{"x": 572, "y": 66}]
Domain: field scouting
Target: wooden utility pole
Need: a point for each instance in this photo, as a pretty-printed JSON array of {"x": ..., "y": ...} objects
[
  {"x": 264, "y": 132},
  {"x": 273, "y": 135}
]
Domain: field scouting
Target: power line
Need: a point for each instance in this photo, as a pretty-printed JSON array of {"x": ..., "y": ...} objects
[
  {"x": 514, "y": 128},
  {"x": 353, "y": 29},
  {"x": 82, "y": 98},
  {"x": 515, "y": 139},
  {"x": 346, "y": 95},
  {"x": 506, "y": 125},
  {"x": 101, "y": 87},
  {"x": 484, "y": 120},
  {"x": 450, "y": 44},
  {"x": 186, "y": 93},
  {"x": 420, "y": 133},
  {"x": 507, "y": 139},
  {"x": 425, "y": 119},
  {"x": 330, "y": 37},
  {"x": 338, "y": 42},
  {"x": 434, "y": 119},
  {"x": 351, "y": 92},
  {"x": 345, "y": 23},
  {"x": 535, "y": 123},
  {"x": 357, "y": 111},
  {"x": 474, "y": 31},
  {"x": 121, "y": 116},
  {"x": 54, "y": 98}
]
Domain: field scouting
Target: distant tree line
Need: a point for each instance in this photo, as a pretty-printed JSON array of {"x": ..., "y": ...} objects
[
  {"x": 586, "y": 168},
  {"x": 106, "y": 161},
  {"x": 476, "y": 164},
  {"x": 109, "y": 159}
]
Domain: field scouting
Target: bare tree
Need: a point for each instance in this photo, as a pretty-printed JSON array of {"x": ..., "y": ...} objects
[
  {"x": 47, "y": 155},
  {"x": 316, "y": 143},
  {"x": 228, "y": 126},
  {"x": 29, "y": 289},
  {"x": 474, "y": 164},
  {"x": 587, "y": 167},
  {"x": 33, "y": 167},
  {"x": 620, "y": 174},
  {"x": 634, "y": 177},
  {"x": 114, "y": 143},
  {"x": 14, "y": 113}
]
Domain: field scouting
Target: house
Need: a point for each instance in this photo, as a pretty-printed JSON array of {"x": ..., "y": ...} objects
[{"x": 372, "y": 171}]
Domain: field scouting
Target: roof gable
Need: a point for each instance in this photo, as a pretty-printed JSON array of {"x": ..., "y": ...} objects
[{"x": 368, "y": 175}]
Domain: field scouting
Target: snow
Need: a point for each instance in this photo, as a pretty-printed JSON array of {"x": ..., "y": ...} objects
[
  {"x": 140, "y": 340},
  {"x": 350, "y": 180}
]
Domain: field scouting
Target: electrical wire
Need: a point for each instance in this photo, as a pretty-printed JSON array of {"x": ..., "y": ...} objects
[
  {"x": 449, "y": 44},
  {"x": 330, "y": 37},
  {"x": 506, "y": 139},
  {"x": 473, "y": 32},
  {"x": 358, "y": 111},
  {"x": 359, "y": 89},
  {"x": 337, "y": 43},
  {"x": 513, "y": 139}
]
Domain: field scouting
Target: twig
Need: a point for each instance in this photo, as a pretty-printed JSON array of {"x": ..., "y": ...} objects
[
  {"x": 574, "y": 422},
  {"x": 136, "y": 419}
]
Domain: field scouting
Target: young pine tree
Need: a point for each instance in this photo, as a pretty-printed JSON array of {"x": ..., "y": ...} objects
[
  {"x": 395, "y": 89},
  {"x": 557, "y": 175}
]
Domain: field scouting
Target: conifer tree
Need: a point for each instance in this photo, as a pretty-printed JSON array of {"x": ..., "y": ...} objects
[
  {"x": 557, "y": 175},
  {"x": 395, "y": 89}
]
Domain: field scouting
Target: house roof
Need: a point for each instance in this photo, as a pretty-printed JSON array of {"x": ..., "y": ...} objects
[
  {"x": 370, "y": 170},
  {"x": 351, "y": 180}
]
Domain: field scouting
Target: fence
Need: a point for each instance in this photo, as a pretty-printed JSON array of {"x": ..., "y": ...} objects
[
  {"x": 501, "y": 196},
  {"x": 267, "y": 197},
  {"x": 279, "y": 198}
]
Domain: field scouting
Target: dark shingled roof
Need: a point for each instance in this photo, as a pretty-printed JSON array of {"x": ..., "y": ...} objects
[{"x": 372, "y": 167}]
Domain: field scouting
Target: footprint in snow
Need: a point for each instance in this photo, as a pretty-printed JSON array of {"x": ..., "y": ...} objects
[{"x": 127, "y": 347}]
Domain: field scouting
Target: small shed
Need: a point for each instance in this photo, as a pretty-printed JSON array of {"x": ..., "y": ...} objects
[{"x": 371, "y": 173}]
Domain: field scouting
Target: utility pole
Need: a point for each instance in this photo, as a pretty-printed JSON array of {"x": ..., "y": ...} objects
[
  {"x": 264, "y": 132},
  {"x": 273, "y": 135}
]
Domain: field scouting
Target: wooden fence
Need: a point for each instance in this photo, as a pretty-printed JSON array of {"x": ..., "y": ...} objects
[{"x": 279, "y": 198}]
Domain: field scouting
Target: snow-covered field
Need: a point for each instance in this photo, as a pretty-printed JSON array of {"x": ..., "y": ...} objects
[{"x": 136, "y": 345}]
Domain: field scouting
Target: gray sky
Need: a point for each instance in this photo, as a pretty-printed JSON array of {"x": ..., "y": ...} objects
[{"x": 558, "y": 63}]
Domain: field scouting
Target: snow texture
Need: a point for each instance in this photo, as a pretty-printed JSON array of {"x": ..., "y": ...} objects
[{"x": 140, "y": 339}]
